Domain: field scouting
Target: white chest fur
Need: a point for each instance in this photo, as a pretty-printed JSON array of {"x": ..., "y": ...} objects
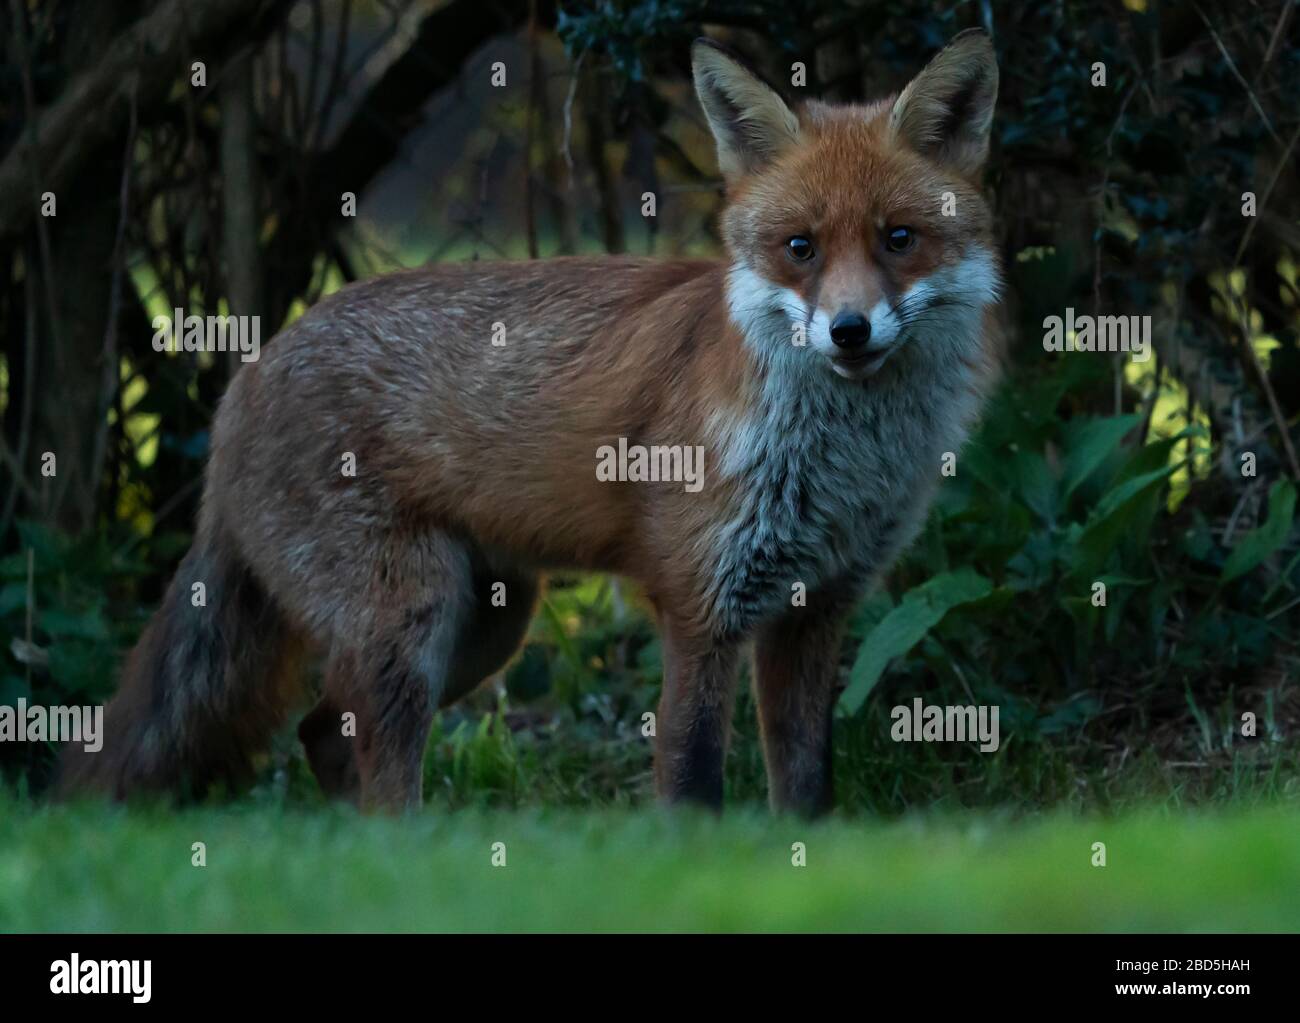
[{"x": 833, "y": 477}]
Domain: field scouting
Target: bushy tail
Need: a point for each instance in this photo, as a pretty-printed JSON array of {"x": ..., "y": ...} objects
[{"x": 201, "y": 692}]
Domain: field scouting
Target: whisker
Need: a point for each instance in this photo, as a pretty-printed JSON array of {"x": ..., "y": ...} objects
[{"x": 925, "y": 304}]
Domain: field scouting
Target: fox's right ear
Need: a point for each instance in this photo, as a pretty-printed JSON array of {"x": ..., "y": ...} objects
[{"x": 750, "y": 121}]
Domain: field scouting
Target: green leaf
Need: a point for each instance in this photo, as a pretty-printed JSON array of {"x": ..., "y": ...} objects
[
  {"x": 1115, "y": 513},
  {"x": 1156, "y": 454},
  {"x": 1259, "y": 543},
  {"x": 81, "y": 668},
  {"x": 12, "y": 597},
  {"x": 12, "y": 689},
  {"x": 987, "y": 468},
  {"x": 1088, "y": 447},
  {"x": 920, "y": 610},
  {"x": 1035, "y": 485},
  {"x": 77, "y": 624},
  {"x": 1114, "y": 500}
]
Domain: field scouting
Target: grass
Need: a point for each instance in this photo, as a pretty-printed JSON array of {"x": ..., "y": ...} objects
[
  {"x": 272, "y": 868},
  {"x": 1200, "y": 827},
  {"x": 482, "y": 758},
  {"x": 1199, "y": 816}
]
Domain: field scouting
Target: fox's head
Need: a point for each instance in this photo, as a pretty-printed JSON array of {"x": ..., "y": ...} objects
[{"x": 857, "y": 231}]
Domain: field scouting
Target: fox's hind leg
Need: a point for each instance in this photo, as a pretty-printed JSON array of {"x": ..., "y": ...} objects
[
  {"x": 391, "y": 653},
  {"x": 484, "y": 620},
  {"x": 402, "y": 672}
]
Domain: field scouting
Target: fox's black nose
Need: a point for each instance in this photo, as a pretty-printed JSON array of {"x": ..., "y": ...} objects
[{"x": 850, "y": 330}]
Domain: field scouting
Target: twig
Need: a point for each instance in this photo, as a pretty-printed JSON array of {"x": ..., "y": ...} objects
[
  {"x": 26, "y": 412},
  {"x": 1151, "y": 404},
  {"x": 1254, "y": 101},
  {"x": 334, "y": 81},
  {"x": 1279, "y": 420},
  {"x": 535, "y": 83},
  {"x": 1283, "y": 18},
  {"x": 1281, "y": 610},
  {"x": 1231, "y": 526},
  {"x": 1263, "y": 201},
  {"x": 313, "y": 72},
  {"x": 1096, "y": 248},
  {"x": 567, "y": 147},
  {"x": 111, "y": 371},
  {"x": 42, "y": 229},
  {"x": 31, "y": 608},
  {"x": 16, "y": 467},
  {"x": 172, "y": 504}
]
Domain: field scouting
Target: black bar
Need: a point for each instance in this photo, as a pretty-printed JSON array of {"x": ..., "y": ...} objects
[{"x": 558, "y": 972}]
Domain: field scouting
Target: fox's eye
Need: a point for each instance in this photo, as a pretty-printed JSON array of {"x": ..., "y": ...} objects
[
  {"x": 800, "y": 248},
  {"x": 899, "y": 239}
]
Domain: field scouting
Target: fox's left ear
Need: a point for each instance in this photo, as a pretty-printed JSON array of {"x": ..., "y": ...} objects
[{"x": 946, "y": 112}]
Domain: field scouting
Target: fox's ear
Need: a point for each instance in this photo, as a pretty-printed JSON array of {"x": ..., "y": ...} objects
[
  {"x": 749, "y": 120},
  {"x": 946, "y": 112}
]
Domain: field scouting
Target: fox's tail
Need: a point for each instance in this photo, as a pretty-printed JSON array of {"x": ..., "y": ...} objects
[{"x": 202, "y": 691}]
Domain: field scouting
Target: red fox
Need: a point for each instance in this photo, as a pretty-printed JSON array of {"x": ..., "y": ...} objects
[{"x": 821, "y": 370}]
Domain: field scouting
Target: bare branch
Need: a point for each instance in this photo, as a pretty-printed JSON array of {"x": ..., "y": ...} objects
[{"x": 145, "y": 58}]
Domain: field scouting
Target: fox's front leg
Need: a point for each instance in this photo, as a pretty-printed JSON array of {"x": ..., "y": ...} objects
[
  {"x": 796, "y": 665},
  {"x": 694, "y": 718}
]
